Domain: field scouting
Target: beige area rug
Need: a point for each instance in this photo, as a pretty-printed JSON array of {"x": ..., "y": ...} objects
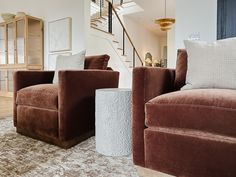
[{"x": 23, "y": 156}]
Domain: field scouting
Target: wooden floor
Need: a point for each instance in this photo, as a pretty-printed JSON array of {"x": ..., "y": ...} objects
[
  {"x": 145, "y": 172},
  {"x": 6, "y": 107}
]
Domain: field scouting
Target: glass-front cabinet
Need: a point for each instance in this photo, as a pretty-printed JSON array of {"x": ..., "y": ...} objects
[{"x": 21, "y": 48}]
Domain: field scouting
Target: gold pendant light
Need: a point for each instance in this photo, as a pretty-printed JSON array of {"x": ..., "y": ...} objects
[{"x": 165, "y": 23}]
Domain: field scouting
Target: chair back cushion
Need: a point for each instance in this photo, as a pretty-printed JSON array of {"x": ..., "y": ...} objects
[
  {"x": 96, "y": 62},
  {"x": 181, "y": 68}
]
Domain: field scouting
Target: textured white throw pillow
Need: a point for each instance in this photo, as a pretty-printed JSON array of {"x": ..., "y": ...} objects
[
  {"x": 73, "y": 62},
  {"x": 211, "y": 65}
]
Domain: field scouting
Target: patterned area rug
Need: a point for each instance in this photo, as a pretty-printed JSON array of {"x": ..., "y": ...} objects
[{"x": 23, "y": 156}]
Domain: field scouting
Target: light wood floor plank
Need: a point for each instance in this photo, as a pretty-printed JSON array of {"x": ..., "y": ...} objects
[
  {"x": 144, "y": 172},
  {"x": 6, "y": 107}
]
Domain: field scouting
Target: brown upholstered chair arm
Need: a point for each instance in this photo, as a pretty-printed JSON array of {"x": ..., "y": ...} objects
[
  {"x": 147, "y": 84},
  {"x": 77, "y": 99},
  {"x": 24, "y": 79},
  {"x": 28, "y": 78}
]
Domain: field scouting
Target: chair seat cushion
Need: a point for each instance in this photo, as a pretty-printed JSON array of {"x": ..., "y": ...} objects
[
  {"x": 211, "y": 110},
  {"x": 39, "y": 96}
]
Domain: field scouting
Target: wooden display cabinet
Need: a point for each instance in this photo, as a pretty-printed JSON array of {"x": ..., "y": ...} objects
[{"x": 21, "y": 48}]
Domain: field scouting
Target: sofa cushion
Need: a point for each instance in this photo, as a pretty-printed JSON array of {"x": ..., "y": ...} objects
[
  {"x": 96, "y": 62},
  {"x": 211, "y": 65},
  {"x": 40, "y": 96},
  {"x": 212, "y": 110}
]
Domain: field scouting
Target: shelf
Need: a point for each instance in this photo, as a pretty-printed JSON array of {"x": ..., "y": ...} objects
[
  {"x": 34, "y": 35},
  {"x": 38, "y": 50},
  {"x": 13, "y": 66}
]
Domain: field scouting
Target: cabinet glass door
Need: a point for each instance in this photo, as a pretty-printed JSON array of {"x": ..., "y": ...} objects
[
  {"x": 20, "y": 41},
  {"x": 10, "y": 80},
  {"x": 3, "y": 77},
  {"x": 2, "y": 45},
  {"x": 11, "y": 43}
]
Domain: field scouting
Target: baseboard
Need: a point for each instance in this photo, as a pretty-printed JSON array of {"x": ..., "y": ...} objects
[{"x": 145, "y": 172}]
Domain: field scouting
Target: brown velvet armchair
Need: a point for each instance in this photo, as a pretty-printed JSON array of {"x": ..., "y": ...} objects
[
  {"x": 189, "y": 133},
  {"x": 62, "y": 114}
]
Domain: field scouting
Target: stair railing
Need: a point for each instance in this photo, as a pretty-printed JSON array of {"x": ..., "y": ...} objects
[{"x": 110, "y": 11}]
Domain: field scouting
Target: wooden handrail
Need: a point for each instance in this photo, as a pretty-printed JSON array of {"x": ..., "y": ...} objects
[{"x": 113, "y": 8}]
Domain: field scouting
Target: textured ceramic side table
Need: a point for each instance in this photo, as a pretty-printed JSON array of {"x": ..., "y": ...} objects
[{"x": 113, "y": 122}]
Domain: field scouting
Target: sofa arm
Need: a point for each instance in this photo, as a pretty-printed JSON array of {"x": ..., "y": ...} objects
[
  {"x": 147, "y": 84},
  {"x": 77, "y": 99},
  {"x": 24, "y": 79}
]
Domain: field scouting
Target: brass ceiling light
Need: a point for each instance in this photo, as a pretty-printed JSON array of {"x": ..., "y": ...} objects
[{"x": 165, "y": 23}]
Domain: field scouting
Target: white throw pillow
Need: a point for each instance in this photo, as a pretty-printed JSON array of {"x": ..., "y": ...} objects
[
  {"x": 73, "y": 62},
  {"x": 211, "y": 65}
]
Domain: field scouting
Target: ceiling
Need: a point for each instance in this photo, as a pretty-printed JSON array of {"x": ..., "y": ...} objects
[{"x": 153, "y": 9}]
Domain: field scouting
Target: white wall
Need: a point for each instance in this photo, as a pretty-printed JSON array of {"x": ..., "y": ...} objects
[
  {"x": 163, "y": 43},
  {"x": 171, "y": 48},
  {"x": 50, "y": 10},
  {"x": 101, "y": 43},
  {"x": 143, "y": 39},
  {"x": 192, "y": 17}
]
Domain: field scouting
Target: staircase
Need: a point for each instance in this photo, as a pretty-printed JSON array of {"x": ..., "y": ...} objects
[{"x": 103, "y": 14}]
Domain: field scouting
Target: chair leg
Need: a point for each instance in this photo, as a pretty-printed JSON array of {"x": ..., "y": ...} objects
[{"x": 145, "y": 172}]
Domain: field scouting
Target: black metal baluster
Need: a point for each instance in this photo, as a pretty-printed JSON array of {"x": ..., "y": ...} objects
[
  {"x": 110, "y": 17},
  {"x": 133, "y": 57},
  {"x": 123, "y": 41},
  {"x": 100, "y": 8}
]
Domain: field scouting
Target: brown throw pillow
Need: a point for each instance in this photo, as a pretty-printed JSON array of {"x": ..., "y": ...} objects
[
  {"x": 96, "y": 62},
  {"x": 181, "y": 68}
]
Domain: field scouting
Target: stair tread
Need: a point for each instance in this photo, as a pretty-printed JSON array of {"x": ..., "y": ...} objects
[
  {"x": 119, "y": 48},
  {"x": 94, "y": 24},
  {"x": 115, "y": 41},
  {"x": 101, "y": 30},
  {"x": 99, "y": 18},
  {"x": 103, "y": 18},
  {"x": 118, "y": 8},
  {"x": 96, "y": 20}
]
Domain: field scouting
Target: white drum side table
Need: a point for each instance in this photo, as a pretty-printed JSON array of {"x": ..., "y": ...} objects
[{"x": 113, "y": 122}]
